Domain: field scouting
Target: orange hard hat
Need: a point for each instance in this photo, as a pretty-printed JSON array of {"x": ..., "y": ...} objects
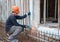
[{"x": 15, "y": 9}]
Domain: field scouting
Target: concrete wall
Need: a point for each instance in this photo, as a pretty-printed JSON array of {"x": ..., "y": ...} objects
[{"x": 37, "y": 11}]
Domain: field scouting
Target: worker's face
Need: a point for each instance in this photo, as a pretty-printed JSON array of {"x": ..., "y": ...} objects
[{"x": 16, "y": 12}]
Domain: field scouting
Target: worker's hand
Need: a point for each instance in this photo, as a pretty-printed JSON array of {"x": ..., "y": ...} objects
[
  {"x": 24, "y": 26},
  {"x": 28, "y": 27},
  {"x": 29, "y": 13}
]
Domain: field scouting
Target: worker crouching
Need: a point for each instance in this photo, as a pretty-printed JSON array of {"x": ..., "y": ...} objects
[{"x": 12, "y": 27}]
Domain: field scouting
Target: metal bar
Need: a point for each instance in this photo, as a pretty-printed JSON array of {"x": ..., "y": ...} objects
[
  {"x": 7, "y": 8},
  {"x": 44, "y": 35},
  {"x": 47, "y": 9},
  {"x": 21, "y": 6},
  {"x": 55, "y": 37},
  {"x": 1, "y": 9},
  {"x": 55, "y": 8},
  {"x": 44, "y": 11},
  {"x": 31, "y": 10},
  {"x": 37, "y": 36},
  {"x": 23, "y": 10},
  {"x": 40, "y": 10},
  {"x": 28, "y": 11},
  {"x": 58, "y": 17}
]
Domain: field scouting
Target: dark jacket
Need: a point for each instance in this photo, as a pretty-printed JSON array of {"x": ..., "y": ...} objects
[{"x": 12, "y": 21}]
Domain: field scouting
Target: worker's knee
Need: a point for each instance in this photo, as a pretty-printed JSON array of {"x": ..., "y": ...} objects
[{"x": 19, "y": 28}]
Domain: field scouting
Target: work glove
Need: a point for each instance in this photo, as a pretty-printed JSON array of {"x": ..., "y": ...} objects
[
  {"x": 29, "y": 13},
  {"x": 25, "y": 26},
  {"x": 28, "y": 27}
]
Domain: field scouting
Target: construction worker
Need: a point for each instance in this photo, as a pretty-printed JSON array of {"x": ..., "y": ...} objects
[{"x": 12, "y": 27}]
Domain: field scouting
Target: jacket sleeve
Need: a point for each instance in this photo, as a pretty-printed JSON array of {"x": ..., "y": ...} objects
[
  {"x": 17, "y": 24},
  {"x": 21, "y": 17}
]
